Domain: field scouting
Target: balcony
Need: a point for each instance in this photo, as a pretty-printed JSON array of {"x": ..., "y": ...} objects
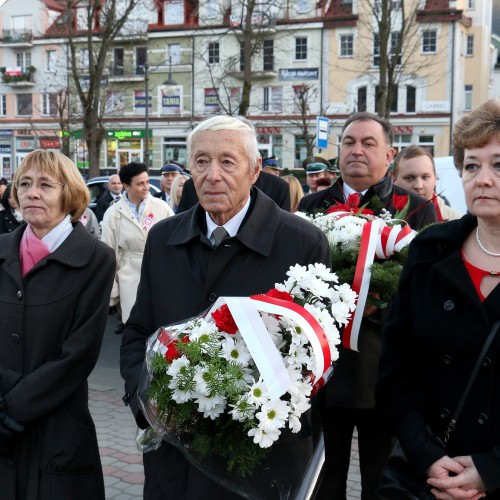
[
  {"x": 125, "y": 73},
  {"x": 18, "y": 77},
  {"x": 235, "y": 69},
  {"x": 17, "y": 39}
]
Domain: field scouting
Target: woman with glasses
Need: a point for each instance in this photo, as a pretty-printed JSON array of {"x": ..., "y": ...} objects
[{"x": 54, "y": 282}]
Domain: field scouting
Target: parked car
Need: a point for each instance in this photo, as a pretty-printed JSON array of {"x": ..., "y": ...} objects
[{"x": 97, "y": 186}]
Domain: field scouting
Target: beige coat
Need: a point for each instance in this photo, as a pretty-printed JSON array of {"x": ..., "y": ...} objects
[
  {"x": 127, "y": 237},
  {"x": 447, "y": 212}
]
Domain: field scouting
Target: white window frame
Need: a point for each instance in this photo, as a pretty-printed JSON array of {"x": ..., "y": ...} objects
[
  {"x": 469, "y": 45},
  {"x": 50, "y": 60},
  {"x": 346, "y": 41},
  {"x": 468, "y": 90},
  {"x": 426, "y": 43},
  {"x": 297, "y": 47},
  {"x": 17, "y": 105},
  {"x": 84, "y": 59},
  {"x": 3, "y": 105},
  {"x": 174, "y": 53},
  {"x": 24, "y": 58},
  {"x": 213, "y": 50},
  {"x": 46, "y": 104}
]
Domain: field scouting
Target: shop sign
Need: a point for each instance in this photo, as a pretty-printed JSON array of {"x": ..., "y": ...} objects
[
  {"x": 299, "y": 74},
  {"x": 6, "y": 133},
  {"x": 50, "y": 143},
  {"x": 403, "y": 130},
  {"x": 5, "y": 148},
  {"x": 127, "y": 134},
  {"x": 26, "y": 144},
  {"x": 268, "y": 130},
  {"x": 140, "y": 102}
]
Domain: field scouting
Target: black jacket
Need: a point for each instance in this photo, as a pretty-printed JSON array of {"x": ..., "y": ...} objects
[
  {"x": 274, "y": 187},
  {"x": 8, "y": 222},
  {"x": 434, "y": 332},
  {"x": 103, "y": 204}
]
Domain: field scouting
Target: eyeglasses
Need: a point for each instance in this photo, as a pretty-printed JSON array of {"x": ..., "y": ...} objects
[{"x": 44, "y": 186}]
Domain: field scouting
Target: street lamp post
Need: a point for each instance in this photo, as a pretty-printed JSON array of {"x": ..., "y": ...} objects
[{"x": 146, "y": 88}]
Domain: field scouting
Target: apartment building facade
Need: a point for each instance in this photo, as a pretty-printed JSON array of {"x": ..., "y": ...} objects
[{"x": 179, "y": 61}]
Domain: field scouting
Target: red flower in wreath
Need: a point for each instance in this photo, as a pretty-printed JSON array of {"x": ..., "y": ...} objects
[
  {"x": 399, "y": 201},
  {"x": 276, "y": 294},
  {"x": 224, "y": 320}
]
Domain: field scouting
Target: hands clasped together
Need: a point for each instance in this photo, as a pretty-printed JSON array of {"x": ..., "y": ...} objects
[{"x": 455, "y": 478}]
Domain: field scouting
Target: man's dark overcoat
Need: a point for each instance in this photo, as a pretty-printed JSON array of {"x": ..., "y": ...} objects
[
  {"x": 182, "y": 275},
  {"x": 432, "y": 337},
  {"x": 103, "y": 204},
  {"x": 51, "y": 327}
]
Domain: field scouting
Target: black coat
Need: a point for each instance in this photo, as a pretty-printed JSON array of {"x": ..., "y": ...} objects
[
  {"x": 277, "y": 189},
  {"x": 7, "y": 221},
  {"x": 433, "y": 335},
  {"x": 182, "y": 275},
  {"x": 353, "y": 383},
  {"x": 51, "y": 327},
  {"x": 103, "y": 204}
]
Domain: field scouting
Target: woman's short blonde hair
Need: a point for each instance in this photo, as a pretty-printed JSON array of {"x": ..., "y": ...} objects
[{"x": 75, "y": 194}]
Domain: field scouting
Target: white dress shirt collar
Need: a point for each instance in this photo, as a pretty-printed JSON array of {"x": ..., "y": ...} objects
[{"x": 231, "y": 226}]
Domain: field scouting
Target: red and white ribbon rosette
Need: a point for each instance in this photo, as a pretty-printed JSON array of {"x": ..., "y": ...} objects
[
  {"x": 381, "y": 240},
  {"x": 267, "y": 358}
]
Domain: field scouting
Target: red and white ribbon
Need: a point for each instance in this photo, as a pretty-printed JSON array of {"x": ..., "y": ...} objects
[
  {"x": 377, "y": 239},
  {"x": 267, "y": 358}
]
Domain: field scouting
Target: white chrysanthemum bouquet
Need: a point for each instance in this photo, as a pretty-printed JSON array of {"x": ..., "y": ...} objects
[{"x": 229, "y": 382}]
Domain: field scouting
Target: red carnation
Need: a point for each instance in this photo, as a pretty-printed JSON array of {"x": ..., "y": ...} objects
[
  {"x": 224, "y": 320},
  {"x": 172, "y": 352},
  {"x": 399, "y": 201},
  {"x": 276, "y": 294}
]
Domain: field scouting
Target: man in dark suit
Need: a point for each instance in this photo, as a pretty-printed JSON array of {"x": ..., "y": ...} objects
[
  {"x": 271, "y": 185},
  {"x": 182, "y": 261},
  {"x": 348, "y": 400},
  {"x": 113, "y": 192}
]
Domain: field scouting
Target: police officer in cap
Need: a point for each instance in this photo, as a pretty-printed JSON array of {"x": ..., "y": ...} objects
[
  {"x": 272, "y": 166},
  {"x": 315, "y": 167}
]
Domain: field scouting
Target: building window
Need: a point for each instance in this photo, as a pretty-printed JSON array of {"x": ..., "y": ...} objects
[
  {"x": 49, "y": 104},
  {"x": 84, "y": 58},
  {"x": 468, "y": 98},
  {"x": 3, "y": 105},
  {"x": 273, "y": 99},
  {"x": 376, "y": 49},
  {"x": 300, "y": 150},
  {"x": 174, "y": 53},
  {"x": 24, "y": 105},
  {"x": 469, "y": 50},
  {"x": 394, "y": 103},
  {"x": 141, "y": 59},
  {"x": 396, "y": 46},
  {"x": 23, "y": 60},
  {"x": 346, "y": 45},
  {"x": 114, "y": 102},
  {"x": 212, "y": 9},
  {"x": 300, "y": 48},
  {"x": 212, "y": 104},
  {"x": 174, "y": 12},
  {"x": 50, "y": 60},
  {"x": 268, "y": 55},
  {"x": 213, "y": 53},
  {"x": 411, "y": 99},
  {"x": 118, "y": 63},
  {"x": 471, "y": 4},
  {"x": 361, "y": 104},
  {"x": 429, "y": 41}
]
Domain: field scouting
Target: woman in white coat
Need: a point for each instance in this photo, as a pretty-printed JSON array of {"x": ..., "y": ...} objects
[{"x": 125, "y": 227}]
